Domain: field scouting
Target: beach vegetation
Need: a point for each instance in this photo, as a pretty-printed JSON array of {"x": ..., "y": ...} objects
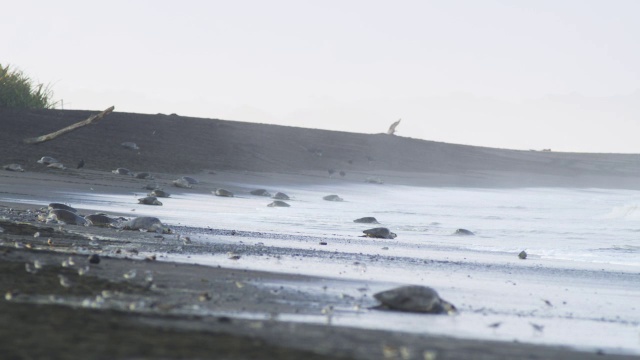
[{"x": 19, "y": 91}]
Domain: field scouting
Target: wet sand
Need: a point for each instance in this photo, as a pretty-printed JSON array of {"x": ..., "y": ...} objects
[{"x": 178, "y": 310}]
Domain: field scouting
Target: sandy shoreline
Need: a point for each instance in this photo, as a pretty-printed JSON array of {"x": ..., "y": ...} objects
[
  {"x": 190, "y": 300},
  {"x": 229, "y": 312}
]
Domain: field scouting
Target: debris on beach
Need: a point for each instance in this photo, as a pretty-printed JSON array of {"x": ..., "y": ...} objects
[
  {"x": 130, "y": 145},
  {"x": 13, "y": 167},
  {"x": 366, "y": 220},
  {"x": 281, "y": 196},
  {"x": 278, "y": 203},
  {"x": 463, "y": 232},
  {"x": 222, "y": 192},
  {"x": 332, "y": 198},
  {"x": 149, "y": 200},
  {"x": 522, "y": 255},
  {"x": 379, "y": 233},
  {"x": 414, "y": 298}
]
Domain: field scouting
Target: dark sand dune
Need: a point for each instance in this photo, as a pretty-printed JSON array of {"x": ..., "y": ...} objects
[{"x": 176, "y": 144}]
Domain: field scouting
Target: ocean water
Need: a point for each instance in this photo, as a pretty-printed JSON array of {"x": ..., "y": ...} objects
[{"x": 579, "y": 286}]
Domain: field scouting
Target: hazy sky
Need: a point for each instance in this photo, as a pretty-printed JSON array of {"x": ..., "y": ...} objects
[{"x": 513, "y": 74}]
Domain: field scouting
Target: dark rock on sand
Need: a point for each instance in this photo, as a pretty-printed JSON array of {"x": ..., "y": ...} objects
[{"x": 414, "y": 298}]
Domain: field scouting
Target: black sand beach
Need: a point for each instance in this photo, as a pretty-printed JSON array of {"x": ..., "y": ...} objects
[{"x": 183, "y": 310}]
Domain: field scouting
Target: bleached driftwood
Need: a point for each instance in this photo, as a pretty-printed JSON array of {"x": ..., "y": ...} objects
[
  {"x": 92, "y": 119},
  {"x": 392, "y": 128}
]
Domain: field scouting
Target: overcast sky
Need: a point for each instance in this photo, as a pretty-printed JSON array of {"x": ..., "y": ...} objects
[{"x": 513, "y": 74}]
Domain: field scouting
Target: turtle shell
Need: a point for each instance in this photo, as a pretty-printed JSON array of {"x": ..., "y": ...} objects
[
  {"x": 379, "y": 233},
  {"x": 66, "y": 217},
  {"x": 414, "y": 298}
]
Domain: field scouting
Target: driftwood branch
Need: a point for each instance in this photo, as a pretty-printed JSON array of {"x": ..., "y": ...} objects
[{"x": 92, "y": 119}]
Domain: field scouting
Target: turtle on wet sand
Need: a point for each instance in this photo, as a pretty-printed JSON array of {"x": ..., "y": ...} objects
[
  {"x": 379, "y": 233},
  {"x": 181, "y": 183},
  {"x": 281, "y": 196},
  {"x": 149, "y": 200},
  {"x": 367, "y": 220},
  {"x": 57, "y": 165},
  {"x": 100, "y": 220},
  {"x": 414, "y": 298},
  {"x": 278, "y": 203},
  {"x": 333, "y": 198},
  {"x": 260, "y": 192},
  {"x": 222, "y": 192},
  {"x": 46, "y": 160},
  {"x": 159, "y": 193},
  {"x": 190, "y": 180},
  {"x": 65, "y": 217},
  {"x": 54, "y": 206},
  {"x": 151, "y": 186},
  {"x": 463, "y": 232},
  {"x": 13, "y": 167},
  {"x": 143, "y": 175},
  {"x": 122, "y": 171},
  {"x": 146, "y": 223}
]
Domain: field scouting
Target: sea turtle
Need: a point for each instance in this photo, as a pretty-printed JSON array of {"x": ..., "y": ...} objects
[
  {"x": 147, "y": 223},
  {"x": 379, "y": 233},
  {"x": 278, "y": 203},
  {"x": 122, "y": 171},
  {"x": 57, "y": 165},
  {"x": 366, "y": 220},
  {"x": 65, "y": 217},
  {"x": 342, "y": 173},
  {"x": 190, "y": 180},
  {"x": 151, "y": 186},
  {"x": 46, "y": 160},
  {"x": 281, "y": 196},
  {"x": 143, "y": 175},
  {"x": 100, "y": 220},
  {"x": 260, "y": 192},
  {"x": 222, "y": 192},
  {"x": 13, "y": 167},
  {"x": 181, "y": 183},
  {"x": 522, "y": 255},
  {"x": 333, "y": 198},
  {"x": 414, "y": 298},
  {"x": 159, "y": 193},
  {"x": 130, "y": 145},
  {"x": 80, "y": 164},
  {"x": 463, "y": 232},
  {"x": 54, "y": 206},
  {"x": 149, "y": 200},
  {"x": 373, "y": 180}
]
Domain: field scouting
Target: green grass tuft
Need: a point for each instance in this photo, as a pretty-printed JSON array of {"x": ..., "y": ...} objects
[{"x": 18, "y": 91}]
